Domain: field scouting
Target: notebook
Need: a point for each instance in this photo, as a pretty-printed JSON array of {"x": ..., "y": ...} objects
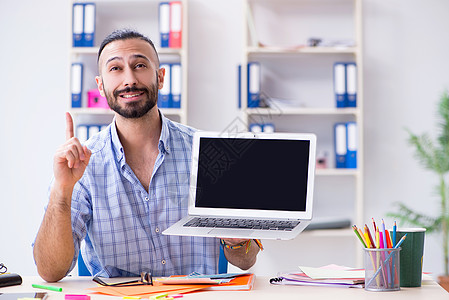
[{"x": 249, "y": 185}]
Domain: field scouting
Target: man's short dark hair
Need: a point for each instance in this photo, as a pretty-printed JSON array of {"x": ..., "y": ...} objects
[{"x": 125, "y": 34}]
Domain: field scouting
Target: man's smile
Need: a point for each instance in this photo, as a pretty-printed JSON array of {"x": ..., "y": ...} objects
[
  {"x": 130, "y": 93},
  {"x": 131, "y": 96}
]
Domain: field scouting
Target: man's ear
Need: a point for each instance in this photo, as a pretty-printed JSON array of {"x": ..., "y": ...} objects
[
  {"x": 100, "y": 85},
  {"x": 161, "y": 77}
]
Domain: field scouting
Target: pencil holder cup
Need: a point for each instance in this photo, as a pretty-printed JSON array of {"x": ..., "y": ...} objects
[{"x": 382, "y": 269}]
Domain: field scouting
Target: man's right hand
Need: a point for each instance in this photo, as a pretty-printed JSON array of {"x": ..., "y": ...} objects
[
  {"x": 54, "y": 248},
  {"x": 71, "y": 159}
]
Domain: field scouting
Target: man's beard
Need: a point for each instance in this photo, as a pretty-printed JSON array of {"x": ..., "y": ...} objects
[{"x": 136, "y": 109}]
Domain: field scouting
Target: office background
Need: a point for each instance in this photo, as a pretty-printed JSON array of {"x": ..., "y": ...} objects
[{"x": 405, "y": 72}]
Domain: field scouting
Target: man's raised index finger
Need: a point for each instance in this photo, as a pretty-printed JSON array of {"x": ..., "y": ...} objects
[{"x": 69, "y": 126}]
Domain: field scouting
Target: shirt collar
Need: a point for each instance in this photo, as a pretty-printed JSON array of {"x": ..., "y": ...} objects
[
  {"x": 163, "y": 139},
  {"x": 165, "y": 135}
]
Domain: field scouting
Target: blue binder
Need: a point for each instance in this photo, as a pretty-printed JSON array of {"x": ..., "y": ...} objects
[
  {"x": 77, "y": 24},
  {"x": 340, "y": 84},
  {"x": 89, "y": 25},
  {"x": 164, "y": 98},
  {"x": 176, "y": 85},
  {"x": 340, "y": 145},
  {"x": 164, "y": 23},
  {"x": 351, "y": 84},
  {"x": 351, "y": 145},
  {"x": 76, "y": 87},
  {"x": 253, "y": 84},
  {"x": 268, "y": 127},
  {"x": 255, "y": 127}
]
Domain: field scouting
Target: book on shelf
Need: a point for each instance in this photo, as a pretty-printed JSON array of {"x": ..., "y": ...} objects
[
  {"x": 170, "y": 96},
  {"x": 170, "y": 24},
  {"x": 345, "y": 84},
  {"x": 76, "y": 84},
  {"x": 345, "y": 145},
  {"x": 164, "y": 23},
  {"x": 83, "y": 24},
  {"x": 253, "y": 84}
]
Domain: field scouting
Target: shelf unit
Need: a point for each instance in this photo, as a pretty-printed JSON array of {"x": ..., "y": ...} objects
[
  {"x": 292, "y": 70},
  {"x": 141, "y": 15}
]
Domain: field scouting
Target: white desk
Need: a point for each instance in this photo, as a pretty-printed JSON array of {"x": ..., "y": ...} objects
[{"x": 262, "y": 290}]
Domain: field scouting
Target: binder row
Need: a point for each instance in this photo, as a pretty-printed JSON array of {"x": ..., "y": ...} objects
[
  {"x": 83, "y": 25},
  {"x": 94, "y": 99},
  {"x": 253, "y": 84},
  {"x": 170, "y": 24},
  {"x": 86, "y": 131},
  {"x": 264, "y": 127},
  {"x": 170, "y": 94},
  {"x": 345, "y": 84},
  {"x": 346, "y": 145}
]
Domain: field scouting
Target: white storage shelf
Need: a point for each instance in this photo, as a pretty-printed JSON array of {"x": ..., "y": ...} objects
[
  {"x": 141, "y": 15},
  {"x": 275, "y": 35},
  {"x": 302, "y": 111},
  {"x": 302, "y": 50}
]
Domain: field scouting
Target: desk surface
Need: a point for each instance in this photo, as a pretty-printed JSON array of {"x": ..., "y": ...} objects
[{"x": 262, "y": 290}]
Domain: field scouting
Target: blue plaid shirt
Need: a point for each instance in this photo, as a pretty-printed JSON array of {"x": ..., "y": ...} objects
[{"x": 118, "y": 226}]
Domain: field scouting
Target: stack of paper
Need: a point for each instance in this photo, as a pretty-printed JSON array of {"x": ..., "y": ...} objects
[
  {"x": 331, "y": 275},
  {"x": 181, "y": 285},
  {"x": 229, "y": 281}
]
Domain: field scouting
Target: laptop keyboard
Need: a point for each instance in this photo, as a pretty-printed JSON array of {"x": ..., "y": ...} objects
[{"x": 242, "y": 223}]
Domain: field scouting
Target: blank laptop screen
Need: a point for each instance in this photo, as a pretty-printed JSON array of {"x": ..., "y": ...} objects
[{"x": 244, "y": 173}]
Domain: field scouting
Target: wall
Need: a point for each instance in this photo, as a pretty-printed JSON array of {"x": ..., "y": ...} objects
[{"x": 405, "y": 56}]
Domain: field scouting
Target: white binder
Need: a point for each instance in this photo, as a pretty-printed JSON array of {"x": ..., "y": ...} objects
[{"x": 176, "y": 85}]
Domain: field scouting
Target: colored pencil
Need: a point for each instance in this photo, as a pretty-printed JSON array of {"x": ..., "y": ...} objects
[
  {"x": 389, "y": 242},
  {"x": 394, "y": 233},
  {"x": 358, "y": 235},
  {"x": 370, "y": 236},
  {"x": 374, "y": 224}
]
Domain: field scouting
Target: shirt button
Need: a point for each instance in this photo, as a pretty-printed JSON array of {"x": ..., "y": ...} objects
[
  {"x": 147, "y": 199},
  {"x": 157, "y": 229},
  {"x": 163, "y": 261}
]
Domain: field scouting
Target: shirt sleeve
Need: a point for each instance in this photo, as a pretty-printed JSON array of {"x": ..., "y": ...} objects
[{"x": 81, "y": 215}]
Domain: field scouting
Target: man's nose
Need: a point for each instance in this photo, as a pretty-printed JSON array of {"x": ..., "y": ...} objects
[{"x": 130, "y": 78}]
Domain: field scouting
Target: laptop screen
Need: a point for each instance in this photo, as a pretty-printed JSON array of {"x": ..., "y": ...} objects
[{"x": 249, "y": 173}]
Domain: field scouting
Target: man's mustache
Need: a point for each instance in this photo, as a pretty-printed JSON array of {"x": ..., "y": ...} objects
[{"x": 129, "y": 90}]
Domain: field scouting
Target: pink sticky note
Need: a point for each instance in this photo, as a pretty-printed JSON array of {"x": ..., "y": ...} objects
[{"x": 77, "y": 297}]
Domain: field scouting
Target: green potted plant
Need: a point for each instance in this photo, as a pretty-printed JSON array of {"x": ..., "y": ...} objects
[{"x": 434, "y": 156}]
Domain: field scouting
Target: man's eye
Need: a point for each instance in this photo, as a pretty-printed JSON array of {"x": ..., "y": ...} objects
[
  {"x": 140, "y": 66},
  {"x": 114, "y": 69}
]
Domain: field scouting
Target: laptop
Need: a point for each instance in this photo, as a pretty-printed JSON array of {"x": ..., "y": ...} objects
[{"x": 249, "y": 185}]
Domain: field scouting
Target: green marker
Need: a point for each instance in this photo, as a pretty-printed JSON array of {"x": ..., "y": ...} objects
[{"x": 46, "y": 287}]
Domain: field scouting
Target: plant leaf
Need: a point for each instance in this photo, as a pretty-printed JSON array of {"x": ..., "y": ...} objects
[{"x": 408, "y": 216}]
